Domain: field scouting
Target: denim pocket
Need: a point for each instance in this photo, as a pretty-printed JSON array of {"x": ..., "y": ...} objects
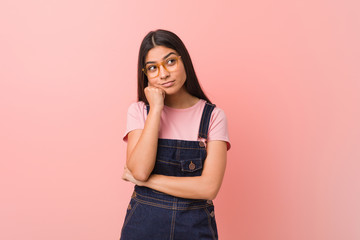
[{"x": 191, "y": 165}]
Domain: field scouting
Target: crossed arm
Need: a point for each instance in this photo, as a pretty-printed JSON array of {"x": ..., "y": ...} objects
[{"x": 141, "y": 160}]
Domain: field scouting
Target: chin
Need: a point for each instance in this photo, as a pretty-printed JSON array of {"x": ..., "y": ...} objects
[{"x": 170, "y": 91}]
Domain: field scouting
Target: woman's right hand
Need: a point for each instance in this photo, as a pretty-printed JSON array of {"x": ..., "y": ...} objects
[{"x": 155, "y": 97}]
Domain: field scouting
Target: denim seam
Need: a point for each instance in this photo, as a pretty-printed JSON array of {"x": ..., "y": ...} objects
[
  {"x": 157, "y": 192},
  {"x": 153, "y": 198},
  {"x": 157, "y": 199},
  {"x": 202, "y": 120},
  {"x": 171, "y": 207},
  {"x": 205, "y": 121},
  {"x": 209, "y": 221},
  {"x": 199, "y": 148},
  {"x": 130, "y": 214},
  {"x": 162, "y": 161},
  {"x": 206, "y": 124},
  {"x": 173, "y": 222},
  {"x": 197, "y": 167}
]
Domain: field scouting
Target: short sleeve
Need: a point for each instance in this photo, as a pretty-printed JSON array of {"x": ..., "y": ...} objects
[
  {"x": 135, "y": 118},
  {"x": 218, "y": 128}
]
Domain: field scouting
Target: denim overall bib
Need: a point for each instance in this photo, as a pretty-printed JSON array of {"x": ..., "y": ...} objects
[{"x": 153, "y": 215}]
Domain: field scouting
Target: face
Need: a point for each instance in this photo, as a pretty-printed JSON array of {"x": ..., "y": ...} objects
[{"x": 171, "y": 79}]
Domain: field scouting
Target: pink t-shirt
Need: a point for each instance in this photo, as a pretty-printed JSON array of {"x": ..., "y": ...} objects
[{"x": 181, "y": 124}]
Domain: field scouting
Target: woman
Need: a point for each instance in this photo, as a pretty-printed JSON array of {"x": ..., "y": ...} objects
[{"x": 177, "y": 143}]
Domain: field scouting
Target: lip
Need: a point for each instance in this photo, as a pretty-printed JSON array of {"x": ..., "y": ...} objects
[{"x": 168, "y": 84}]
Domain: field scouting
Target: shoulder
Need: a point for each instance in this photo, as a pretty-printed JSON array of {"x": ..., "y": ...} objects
[
  {"x": 218, "y": 127},
  {"x": 135, "y": 117},
  {"x": 137, "y": 105},
  {"x": 218, "y": 114},
  {"x": 136, "y": 108}
]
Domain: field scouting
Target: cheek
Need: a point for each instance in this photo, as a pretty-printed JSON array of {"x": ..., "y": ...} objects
[
  {"x": 151, "y": 82},
  {"x": 182, "y": 73},
  {"x": 183, "y": 77}
]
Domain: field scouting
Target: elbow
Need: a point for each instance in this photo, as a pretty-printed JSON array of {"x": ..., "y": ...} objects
[
  {"x": 211, "y": 191},
  {"x": 211, "y": 195},
  {"x": 140, "y": 176}
]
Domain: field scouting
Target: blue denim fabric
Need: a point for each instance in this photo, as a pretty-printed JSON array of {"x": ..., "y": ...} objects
[{"x": 155, "y": 215}]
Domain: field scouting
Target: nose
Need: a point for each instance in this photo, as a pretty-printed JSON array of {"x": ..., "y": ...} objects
[{"x": 163, "y": 72}]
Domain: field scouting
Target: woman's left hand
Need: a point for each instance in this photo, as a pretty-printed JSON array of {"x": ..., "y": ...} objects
[{"x": 127, "y": 176}]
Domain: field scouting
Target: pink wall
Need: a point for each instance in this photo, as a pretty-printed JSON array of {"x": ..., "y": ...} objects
[{"x": 285, "y": 72}]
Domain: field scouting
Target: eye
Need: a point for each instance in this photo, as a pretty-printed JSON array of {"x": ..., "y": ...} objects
[
  {"x": 151, "y": 68},
  {"x": 170, "y": 61}
]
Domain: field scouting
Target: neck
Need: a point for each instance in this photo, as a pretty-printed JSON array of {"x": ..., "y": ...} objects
[{"x": 181, "y": 99}]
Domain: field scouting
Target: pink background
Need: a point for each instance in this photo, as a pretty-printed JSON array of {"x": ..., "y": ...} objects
[{"x": 285, "y": 72}]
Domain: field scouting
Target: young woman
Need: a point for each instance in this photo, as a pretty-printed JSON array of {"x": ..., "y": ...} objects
[{"x": 177, "y": 142}]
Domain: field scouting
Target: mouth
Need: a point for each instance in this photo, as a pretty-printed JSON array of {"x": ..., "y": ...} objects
[{"x": 168, "y": 84}]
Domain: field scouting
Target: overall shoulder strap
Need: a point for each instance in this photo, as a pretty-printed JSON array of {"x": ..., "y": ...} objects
[{"x": 205, "y": 120}]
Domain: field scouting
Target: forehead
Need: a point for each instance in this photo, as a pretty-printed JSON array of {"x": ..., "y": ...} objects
[{"x": 157, "y": 53}]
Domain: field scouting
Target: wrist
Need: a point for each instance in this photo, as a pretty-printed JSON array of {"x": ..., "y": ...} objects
[
  {"x": 156, "y": 109},
  {"x": 148, "y": 182}
]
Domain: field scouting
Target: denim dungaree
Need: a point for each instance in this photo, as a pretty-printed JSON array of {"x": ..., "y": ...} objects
[{"x": 153, "y": 215}]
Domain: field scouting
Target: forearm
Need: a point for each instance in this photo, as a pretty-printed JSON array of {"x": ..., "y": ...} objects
[
  {"x": 205, "y": 186},
  {"x": 200, "y": 187},
  {"x": 141, "y": 160}
]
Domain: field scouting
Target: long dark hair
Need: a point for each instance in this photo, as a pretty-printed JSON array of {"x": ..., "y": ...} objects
[{"x": 168, "y": 39}]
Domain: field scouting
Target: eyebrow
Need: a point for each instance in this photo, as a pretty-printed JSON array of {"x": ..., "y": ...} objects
[{"x": 163, "y": 57}]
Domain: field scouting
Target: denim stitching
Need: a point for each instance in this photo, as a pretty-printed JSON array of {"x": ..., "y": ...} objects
[
  {"x": 210, "y": 226},
  {"x": 201, "y": 134},
  {"x": 173, "y": 222},
  {"x": 171, "y": 207},
  {"x": 196, "y": 160},
  {"x": 195, "y": 201},
  {"x": 205, "y": 120},
  {"x": 162, "y": 161},
  {"x": 130, "y": 214},
  {"x": 202, "y": 119},
  {"x": 153, "y": 198},
  {"x": 200, "y": 148},
  {"x": 208, "y": 121},
  {"x": 157, "y": 192}
]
